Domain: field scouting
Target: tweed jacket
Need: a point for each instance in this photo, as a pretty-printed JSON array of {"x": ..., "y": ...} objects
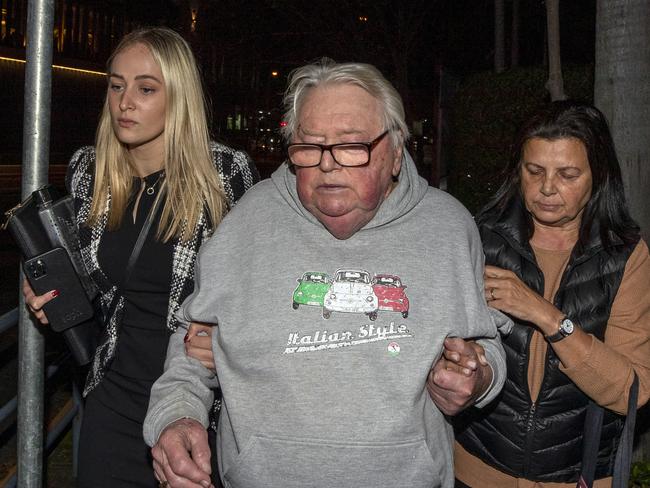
[{"x": 238, "y": 174}]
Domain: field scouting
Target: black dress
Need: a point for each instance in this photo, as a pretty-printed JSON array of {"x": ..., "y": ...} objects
[{"x": 112, "y": 451}]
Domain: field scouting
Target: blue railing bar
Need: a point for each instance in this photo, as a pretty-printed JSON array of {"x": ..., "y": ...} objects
[
  {"x": 11, "y": 482},
  {"x": 10, "y": 407},
  {"x": 76, "y": 427},
  {"x": 60, "y": 427},
  {"x": 8, "y": 320},
  {"x": 52, "y": 437}
]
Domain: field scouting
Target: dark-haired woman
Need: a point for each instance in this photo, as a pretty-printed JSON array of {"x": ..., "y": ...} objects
[{"x": 565, "y": 261}]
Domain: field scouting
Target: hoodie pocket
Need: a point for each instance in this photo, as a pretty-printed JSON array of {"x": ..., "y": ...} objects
[{"x": 304, "y": 463}]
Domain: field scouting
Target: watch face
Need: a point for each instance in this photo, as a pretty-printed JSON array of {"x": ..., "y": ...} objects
[{"x": 566, "y": 326}]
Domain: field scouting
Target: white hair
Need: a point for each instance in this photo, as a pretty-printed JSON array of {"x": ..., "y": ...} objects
[{"x": 327, "y": 72}]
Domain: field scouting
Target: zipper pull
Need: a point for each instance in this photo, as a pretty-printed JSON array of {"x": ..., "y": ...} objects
[{"x": 10, "y": 213}]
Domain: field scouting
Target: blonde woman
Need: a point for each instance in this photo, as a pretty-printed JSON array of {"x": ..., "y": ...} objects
[{"x": 153, "y": 159}]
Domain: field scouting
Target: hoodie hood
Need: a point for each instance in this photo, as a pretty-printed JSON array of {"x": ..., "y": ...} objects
[{"x": 408, "y": 192}]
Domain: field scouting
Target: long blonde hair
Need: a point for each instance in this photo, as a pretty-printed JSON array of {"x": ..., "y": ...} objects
[{"x": 191, "y": 181}]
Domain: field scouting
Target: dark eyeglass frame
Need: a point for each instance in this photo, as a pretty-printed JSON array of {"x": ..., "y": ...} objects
[{"x": 328, "y": 147}]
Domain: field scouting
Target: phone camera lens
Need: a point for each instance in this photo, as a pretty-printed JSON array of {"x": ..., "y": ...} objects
[{"x": 39, "y": 269}]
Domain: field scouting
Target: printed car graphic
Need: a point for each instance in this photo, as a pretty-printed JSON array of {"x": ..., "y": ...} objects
[
  {"x": 351, "y": 291},
  {"x": 311, "y": 289},
  {"x": 390, "y": 293}
]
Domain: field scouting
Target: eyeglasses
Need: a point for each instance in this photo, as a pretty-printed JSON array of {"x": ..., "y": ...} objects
[{"x": 345, "y": 153}]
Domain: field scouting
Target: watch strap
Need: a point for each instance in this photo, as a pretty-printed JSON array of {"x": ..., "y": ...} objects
[{"x": 560, "y": 334}]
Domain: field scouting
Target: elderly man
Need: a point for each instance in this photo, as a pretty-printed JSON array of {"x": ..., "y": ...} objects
[{"x": 334, "y": 286}]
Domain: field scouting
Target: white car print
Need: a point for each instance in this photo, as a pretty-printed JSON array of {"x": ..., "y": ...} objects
[{"x": 351, "y": 291}]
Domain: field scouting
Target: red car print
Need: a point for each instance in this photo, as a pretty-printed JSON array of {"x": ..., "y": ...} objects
[{"x": 390, "y": 293}]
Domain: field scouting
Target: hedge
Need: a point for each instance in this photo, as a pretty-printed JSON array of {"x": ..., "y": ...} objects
[{"x": 488, "y": 108}]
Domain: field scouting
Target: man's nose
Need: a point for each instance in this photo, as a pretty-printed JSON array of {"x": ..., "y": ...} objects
[{"x": 327, "y": 161}]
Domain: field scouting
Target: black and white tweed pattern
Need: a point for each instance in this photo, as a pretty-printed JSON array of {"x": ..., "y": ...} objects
[{"x": 238, "y": 174}]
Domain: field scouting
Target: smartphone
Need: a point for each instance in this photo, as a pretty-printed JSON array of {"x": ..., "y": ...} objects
[{"x": 53, "y": 270}]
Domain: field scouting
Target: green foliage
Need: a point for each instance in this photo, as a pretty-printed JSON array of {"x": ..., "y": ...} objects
[
  {"x": 640, "y": 475},
  {"x": 488, "y": 108}
]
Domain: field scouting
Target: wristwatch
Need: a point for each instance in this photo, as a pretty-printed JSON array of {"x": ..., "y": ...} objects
[{"x": 566, "y": 329}]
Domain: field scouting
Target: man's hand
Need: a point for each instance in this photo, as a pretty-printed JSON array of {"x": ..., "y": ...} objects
[
  {"x": 181, "y": 457},
  {"x": 459, "y": 377}
]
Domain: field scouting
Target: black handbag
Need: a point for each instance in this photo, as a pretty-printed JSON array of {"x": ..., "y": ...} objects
[
  {"x": 45, "y": 230},
  {"x": 593, "y": 427}
]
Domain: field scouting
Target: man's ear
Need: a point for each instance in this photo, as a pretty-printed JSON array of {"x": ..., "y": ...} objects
[{"x": 397, "y": 161}]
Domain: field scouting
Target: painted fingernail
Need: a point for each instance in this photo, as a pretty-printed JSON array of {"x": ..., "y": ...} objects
[
  {"x": 187, "y": 337},
  {"x": 55, "y": 293}
]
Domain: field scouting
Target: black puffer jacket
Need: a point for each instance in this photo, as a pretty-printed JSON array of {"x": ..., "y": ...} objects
[{"x": 542, "y": 441}]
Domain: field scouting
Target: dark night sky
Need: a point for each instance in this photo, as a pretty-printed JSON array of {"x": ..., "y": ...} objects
[
  {"x": 458, "y": 34},
  {"x": 463, "y": 35}
]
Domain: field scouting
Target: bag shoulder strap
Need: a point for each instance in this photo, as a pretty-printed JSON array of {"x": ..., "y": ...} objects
[
  {"x": 135, "y": 253},
  {"x": 142, "y": 236},
  {"x": 623, "y": 461},
  {"x": 591, "y": 441}
]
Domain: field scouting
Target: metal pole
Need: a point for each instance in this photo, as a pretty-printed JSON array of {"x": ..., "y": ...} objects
[{"x": 36, "y": 147}]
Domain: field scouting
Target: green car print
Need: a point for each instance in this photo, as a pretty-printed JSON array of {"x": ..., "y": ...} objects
[{"x": 311, "y": 289}]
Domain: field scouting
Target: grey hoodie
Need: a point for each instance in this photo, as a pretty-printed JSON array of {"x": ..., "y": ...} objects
[{"x": 324, "y": 345}]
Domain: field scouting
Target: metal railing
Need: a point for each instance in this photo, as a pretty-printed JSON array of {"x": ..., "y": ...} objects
[{"x": 70, "y": 413}]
